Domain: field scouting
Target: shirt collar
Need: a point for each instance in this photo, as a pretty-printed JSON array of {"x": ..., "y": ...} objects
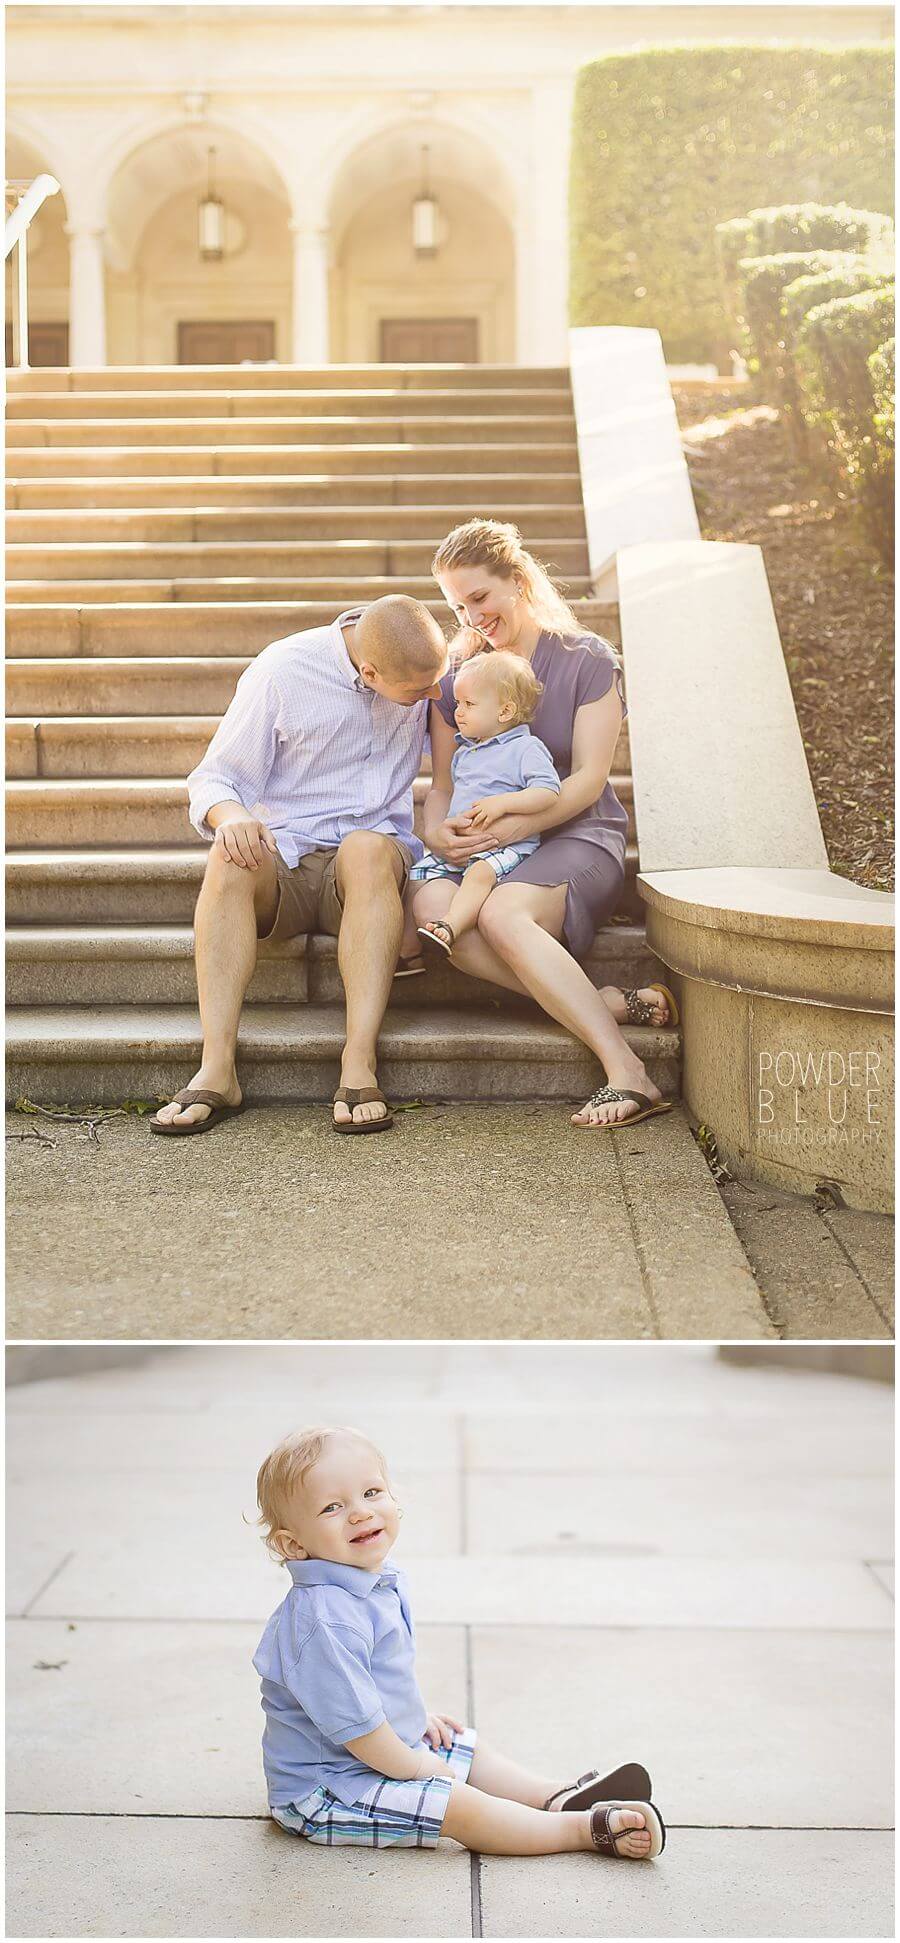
[
  {"x": 352, "y": 1578},
  {"x": 346, "y": 668},
  {"x": 505, "y": 735}
]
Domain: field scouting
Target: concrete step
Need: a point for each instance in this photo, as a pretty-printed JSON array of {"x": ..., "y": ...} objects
[
  {"x": 464, "y": 491},
  {"x": 94, "y": 964},
  {"x": 150, "y": 745},
  {"x": 383, "y": 401},
  {"x": 418, "y": 528},
  {"x": 288, "y": 377},
  {"x": 341, "y": 593},
  {"x": 108, "y": 1054},
  {"x": 438, "y": 458},
  {"x": 501, "y": 428},
  {"x": 70, "y": 812},
  {"x": 148, "y": 886},
  {"x": 56, "y": 630}
]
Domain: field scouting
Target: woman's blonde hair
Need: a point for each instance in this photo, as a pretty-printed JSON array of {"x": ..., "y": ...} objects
[
  {"x": 286, "y": 1467},
  {"x": 497, "y": 546},
  {"x": 514, "y": 681}
]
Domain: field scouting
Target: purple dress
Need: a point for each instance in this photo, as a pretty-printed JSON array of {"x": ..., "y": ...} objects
[{"x": 588, "y": 853}]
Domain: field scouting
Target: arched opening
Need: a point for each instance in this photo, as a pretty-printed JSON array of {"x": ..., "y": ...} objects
[
  {"x": 48, "y": 263},
  {"x": 167, "y": 303},
  {"x": 389, "y": 303}
]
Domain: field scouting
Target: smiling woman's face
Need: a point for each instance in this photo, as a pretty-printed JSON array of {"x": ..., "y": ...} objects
[
  {"x": 344, "y": 1509},
  {"x": 493, "y": 605}
]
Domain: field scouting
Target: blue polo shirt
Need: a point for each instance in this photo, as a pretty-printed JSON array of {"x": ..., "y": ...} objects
[
  {"x": 335, "y": 1661},
  {"x": 514, "y": 759}
]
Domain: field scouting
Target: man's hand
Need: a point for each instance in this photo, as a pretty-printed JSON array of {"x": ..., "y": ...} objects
[
  {"x": 244, "y": 840},
  {"x": 440, "y": 1730},
  {"x": 457, "y": 841},
  {"x": 488, "y": 810}
]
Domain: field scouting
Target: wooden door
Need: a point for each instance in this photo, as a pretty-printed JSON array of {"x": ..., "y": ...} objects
[
  {"x": 428, "y": 340},
  {"x": 212, "y": 342},
  {"x": 47, "y": 344}
]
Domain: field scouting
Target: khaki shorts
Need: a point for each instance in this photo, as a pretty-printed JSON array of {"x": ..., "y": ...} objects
[{"x": 308, "y": 895}]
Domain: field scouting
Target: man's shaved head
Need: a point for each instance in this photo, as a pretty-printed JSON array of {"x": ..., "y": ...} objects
[{"x": 401, "y": 639}]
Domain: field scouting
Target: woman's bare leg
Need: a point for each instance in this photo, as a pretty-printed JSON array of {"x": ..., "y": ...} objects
[
  {"x": 496, "y": 1827},
  {"x": 523, "y": 924},
  {"x": 473, "y": 954}
]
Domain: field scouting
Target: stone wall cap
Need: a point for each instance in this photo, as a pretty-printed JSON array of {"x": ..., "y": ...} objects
[{"x": 809, "y": 905}]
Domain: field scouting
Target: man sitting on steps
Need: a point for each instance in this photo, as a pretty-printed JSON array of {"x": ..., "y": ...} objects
[{"x": 306, "y": 794}]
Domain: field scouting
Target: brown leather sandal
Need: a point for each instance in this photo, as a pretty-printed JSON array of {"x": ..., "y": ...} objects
[
  {"x": 604, "y": 1838},
  {"x": 352, "y": 1096},
  {"x": 434, "y": 950},
  {"x": 630, "y": 1779},
  {"x": 221, "y": 1109}
]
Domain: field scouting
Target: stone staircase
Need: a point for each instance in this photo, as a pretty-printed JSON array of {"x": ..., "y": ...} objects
[{"x": 163, "y": 526}]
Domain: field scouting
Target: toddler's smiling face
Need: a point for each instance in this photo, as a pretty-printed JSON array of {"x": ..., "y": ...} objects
[{"x": 344, "y": 1509}]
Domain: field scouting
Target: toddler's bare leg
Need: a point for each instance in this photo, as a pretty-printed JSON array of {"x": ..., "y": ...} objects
[
  {"x": 473, "y": 892},
  {"x": 495, "y": 1775},
  {"x": 496, "y": 1827}
]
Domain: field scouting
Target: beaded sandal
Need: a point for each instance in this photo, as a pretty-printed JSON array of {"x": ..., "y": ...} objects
[{"x": 640, "y": 1010}]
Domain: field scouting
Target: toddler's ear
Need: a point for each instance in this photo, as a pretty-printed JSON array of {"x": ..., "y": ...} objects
[{"x": 288, "y": 1545}]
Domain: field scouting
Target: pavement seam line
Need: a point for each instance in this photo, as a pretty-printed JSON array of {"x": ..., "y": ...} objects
[
  {"x": 27, "y": 1612},
  {"x": 879, "y": 1311},
  {"x": 476, "y": 1914},
  {"x": 176, "y": 1815},
  {"x": 636, "y": 1241},
  {"x": 871, "y": 1565}
]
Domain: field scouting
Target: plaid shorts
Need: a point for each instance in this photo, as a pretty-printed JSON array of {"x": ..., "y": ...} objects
[
  {"x": 501, "y": 862},
  {"x": 391, "y": 1814}
]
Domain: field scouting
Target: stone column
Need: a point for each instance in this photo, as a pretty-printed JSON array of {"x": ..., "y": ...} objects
[
  {"x": 309, "y": 330},
  {"x": 87, "y": 297},
  {"x": 551, "y": 122}
]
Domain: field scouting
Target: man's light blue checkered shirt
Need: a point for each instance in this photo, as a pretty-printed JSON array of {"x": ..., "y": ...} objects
[{"x": 310, "y": 750}]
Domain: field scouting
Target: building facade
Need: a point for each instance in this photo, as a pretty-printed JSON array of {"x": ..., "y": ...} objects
[{"x": 312, "y": 132}]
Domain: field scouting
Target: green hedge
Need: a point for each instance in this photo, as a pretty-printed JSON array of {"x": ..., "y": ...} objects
[
  {"x": 835, "y": 346},
  {"x": 671, "y": 142},
  {"x": 764, "y": 280}
]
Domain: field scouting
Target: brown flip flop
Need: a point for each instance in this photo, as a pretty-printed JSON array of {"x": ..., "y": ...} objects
[
  {"x": 608, "y": 1095},
  {"x": 630, "y": 1779},
  {"x": 352, "y": 1096},
  {"x": 221, "y": 1109},
  {"x": 604, "y": 1839}
]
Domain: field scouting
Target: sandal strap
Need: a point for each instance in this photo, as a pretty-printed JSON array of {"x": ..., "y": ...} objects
[
  {"x": 199, "y": 1096},
  {"x": 602, "y": 1835},
  {"x": 358, "y": 1096},
  {"x": 639, "y": 1010},
  {"x": 610, "y": 1095},
  {"x": 571, "y": 1786}
]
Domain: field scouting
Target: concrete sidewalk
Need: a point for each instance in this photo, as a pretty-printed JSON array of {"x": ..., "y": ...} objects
[
  {"x": 465, "y": 1221},
  {"x": 615, "y": 1551}
]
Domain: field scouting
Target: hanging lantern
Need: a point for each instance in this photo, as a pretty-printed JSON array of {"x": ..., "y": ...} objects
[
  {"x": 211, "y": 216},
  {"x": 425, "y": 216}
]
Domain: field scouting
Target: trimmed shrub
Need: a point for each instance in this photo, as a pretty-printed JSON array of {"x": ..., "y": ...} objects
[
  {"x": 853, "y": 275},
  {"x": 670, "y": 142},
  {"x": 835, "y": 344},
  {"x": 797, "y": 226},
  {"x": 881, "y": 374},
  {"x": 764, "y": 280}
]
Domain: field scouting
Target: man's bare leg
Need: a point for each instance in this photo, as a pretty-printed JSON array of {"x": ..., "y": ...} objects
[
  {"x": 233, "y": 905},
  {"x": 369, "y": 873},
  {"x": 496, "y": 1827}
]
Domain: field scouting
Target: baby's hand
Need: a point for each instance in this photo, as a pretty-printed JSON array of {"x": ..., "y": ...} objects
[
  {"x": 440, "y": 1730},
  {"x": 488, "y": 809}
]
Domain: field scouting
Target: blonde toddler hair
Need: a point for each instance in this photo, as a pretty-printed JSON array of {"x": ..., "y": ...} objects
[
  {"x": 514, "y": 681},
  {"x": 286, "y": 1467},
  {"x": 497, "y": 546}
]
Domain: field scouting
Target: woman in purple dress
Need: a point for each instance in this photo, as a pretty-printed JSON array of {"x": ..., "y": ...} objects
[{"x": 541, "y": 919}]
